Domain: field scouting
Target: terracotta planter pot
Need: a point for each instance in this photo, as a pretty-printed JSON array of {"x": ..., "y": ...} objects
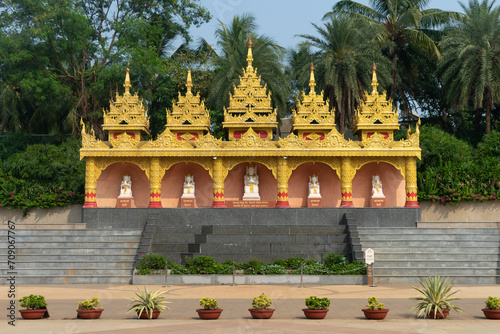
[
  {"x": 33, "y": 314},
  {"x": 375, "y": 314},
  {"x": 209, "y": 314},
  {"x": 314, "y": 314},
  {"x": 145, "y": 315},
  {"x": 430, "y": 315},
  {"x": 89, "y": 314},
  {"x": 491, "y": 314},
  {"x": 261, "y": 314}
]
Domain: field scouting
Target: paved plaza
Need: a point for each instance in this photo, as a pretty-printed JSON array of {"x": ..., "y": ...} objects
[{"x": 345, "y": 314}]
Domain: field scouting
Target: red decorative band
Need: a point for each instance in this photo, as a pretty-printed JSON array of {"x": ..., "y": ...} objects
[
  {"x": 411, "y": 204},
  {"x": 90, "y": 195},
  {"x": 155, "y": 204},
  {"x": 218, "y": 195},
  {"x": 90, "y": 204},
  {"x": 346, "y": 204},
  {"x": 155, "y": 196},
  {"x": 282, "y": 204},
  {"x": 218, "y": 204},
  {"x": 346, "y": 196}
]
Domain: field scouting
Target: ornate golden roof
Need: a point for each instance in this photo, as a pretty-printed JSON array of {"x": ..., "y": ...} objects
[
  {"x": 126, "y": 112},
  {"x": 375, "y": 112},
  {"x": 189, "y": 112},
  {"x": 250, "y": 105},
  {"x": 312, "y": 112}
]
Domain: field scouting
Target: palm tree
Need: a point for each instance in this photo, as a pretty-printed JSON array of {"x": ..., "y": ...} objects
[
  {"x": 471, "y": 60},
  {"x": 231, "y": 60},
  {"x": 343, "y": 64},
  {"x": 398, "y": 25}
]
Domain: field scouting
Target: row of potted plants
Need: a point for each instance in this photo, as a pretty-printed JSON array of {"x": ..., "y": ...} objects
[{"x": 434, "y": 302}]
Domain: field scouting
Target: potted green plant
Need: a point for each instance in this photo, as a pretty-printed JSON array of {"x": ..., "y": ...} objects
[
  {"x": 317, "y": 308},
  {"x": 375, "y": 310},
  {"x": 89, "y": 309},
  {"x": 436, "y": 298},
  {"x": 210, "y": 309},
  {"x": 261, "y": 308},
  {"x": 148, "y": 305},
  {"x": 36, "y": 307},
  {"x": 492, "y": 310}
]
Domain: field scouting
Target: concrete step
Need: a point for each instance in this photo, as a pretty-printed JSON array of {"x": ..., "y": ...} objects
[
  {"x": 412, "y": 230},
  {"x": 265, "y": 257},
  {"x": 165, "y": 238},
  {"x": 428, "y": 243},
  {"x": 38, "y": 226},
  {"x": 272, "y": 229},
  {"x": 71, "y": 279},
  {"x": 413, "y": 279},
  {"x": 69, "y": 271},
  {"x": 96, "y": 257},
  {"x": 169, "y": 248},
  {"x": 178, "y": 229},
  {"x": 383, "y": 256},
  {"x": 415, "y": 249},
  {"x": 50, "y": 232},
  {"x": 76, "y": 238},
  {"x": 445, "y": 262},
  {"x": 449, "y": 271},
  {"x": 112, "y": 263},
  {"x": 429, "y": 237},
  {"x": 75, "y": 244},
  {"x": 276, "y": 238},
  {"x": 208, "y": 249},
  {"x": 74, "y": 251}
]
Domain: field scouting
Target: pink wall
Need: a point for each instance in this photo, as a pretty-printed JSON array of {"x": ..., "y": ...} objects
[
  {"x": 108, "y": 185},
  {"x": 234, "y": 187},
  {"x": 298, "y": 188},
  {"x": 393, "y": 185},
  {"x": 173, "y": 181}
]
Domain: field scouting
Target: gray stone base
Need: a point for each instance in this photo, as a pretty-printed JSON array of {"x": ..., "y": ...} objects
[{"x": 249, "y": 279}]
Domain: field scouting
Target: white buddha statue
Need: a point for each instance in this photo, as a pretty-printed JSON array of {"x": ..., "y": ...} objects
[
  {"x": 126, "y": 187},
  {"x": 251, "y": 181},
  {"x": 188, "y": 188},
  {"x": 377, "y": 187},
  {"x": 314, "y": 187}
]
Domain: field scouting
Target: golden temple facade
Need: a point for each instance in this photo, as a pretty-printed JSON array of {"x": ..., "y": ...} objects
[{"x": 250, "y": 122}]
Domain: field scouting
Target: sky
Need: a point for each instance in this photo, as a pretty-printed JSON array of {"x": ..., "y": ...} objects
[{"x": 282, "y": 19}]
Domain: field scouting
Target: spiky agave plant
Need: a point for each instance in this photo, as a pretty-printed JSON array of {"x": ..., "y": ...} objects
[
  {"x": 147, "y": 301},
  {"x": 436, "y": 296}
]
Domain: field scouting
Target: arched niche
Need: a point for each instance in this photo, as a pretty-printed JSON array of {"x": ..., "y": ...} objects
[
  {"x": 298, "y": 188},
  {"x": 393, "y": 185},
  {"x": 108, "y": 185},
  {"x": 234, "y": 185},
  {"x": 173, "y": 181}
]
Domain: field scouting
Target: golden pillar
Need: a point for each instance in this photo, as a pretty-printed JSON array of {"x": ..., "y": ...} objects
[
  {"x": 90, "y": 184},
  {"x": 154, "y": 184},
  {"x": 411, "y": 183},
  {"x": 218, "y": 176},
  {"x": 283, "y": 176},
  {"x": 346, "y": 183}
]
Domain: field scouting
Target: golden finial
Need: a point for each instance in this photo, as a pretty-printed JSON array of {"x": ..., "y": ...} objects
[
  {"x": 249, "y": 46},
  {"x": 127, "y": 83},
  {"x": 374, "y": 78},
  {"x": 312, "y": 82},
  {"x": 189, "y": 82}
]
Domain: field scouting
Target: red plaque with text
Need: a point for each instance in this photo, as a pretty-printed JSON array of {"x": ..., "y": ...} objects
[
  {"x": 378, "y": 203},
  {"x": 250, "y": 204},
  {"x": 188, "y": 202},
  {"x": 314, "y": 203},
  {"x": 125, "y": 203}
]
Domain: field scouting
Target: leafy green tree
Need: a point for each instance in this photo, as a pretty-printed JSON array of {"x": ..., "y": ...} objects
[
  {"x": 230, "y": 62},
  {"x": 55, "y": 51},
  {"x": 344, "y": 62},
  {"x": 399, "y": 27},
  {"x": 471, "y": 59}
]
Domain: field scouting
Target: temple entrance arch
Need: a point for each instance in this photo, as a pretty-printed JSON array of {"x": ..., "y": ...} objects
[
  {"x": 393, "y": 184},
  {"x": 234, "y": 186},
  {"x": 108, "y": 185},
  {"x": 173, "y": 180},
  {"x": 329, "y": 181}
]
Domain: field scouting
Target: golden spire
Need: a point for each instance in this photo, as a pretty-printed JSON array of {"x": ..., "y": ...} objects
[
  {"x": 374, "y": 78},
  {"x": 312, "y": 82},
  {"x": 249, "y": 46},
  {"x": 127, "y": 83},
  {"x": 189, "y": 83}
]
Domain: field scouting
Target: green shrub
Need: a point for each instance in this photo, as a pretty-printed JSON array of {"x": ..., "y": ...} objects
[
  {"x": 202, "y": 265},
  {"x": 262, "y": 302},
  {"x": 493, "y": 303},
  {"x": 330, "y": 260},
  {"x": 209, "y": 303},
  {"x": 89, "y": 304},
  {"x": 373, "y": 304},
  {"x": 253, "y": 266},
  {"x": 33, "y": 302},
  {"x": 315, "y": 303}
]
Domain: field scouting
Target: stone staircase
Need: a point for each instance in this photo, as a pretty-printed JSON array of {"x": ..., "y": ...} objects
[
  {"x": 403, "y": 255},
  {"x": 241, "y": 243},
  {"x": 63, "y": 256}
]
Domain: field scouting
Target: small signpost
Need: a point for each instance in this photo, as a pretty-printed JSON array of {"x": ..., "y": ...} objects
[{"x": 370, "y": 259}]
